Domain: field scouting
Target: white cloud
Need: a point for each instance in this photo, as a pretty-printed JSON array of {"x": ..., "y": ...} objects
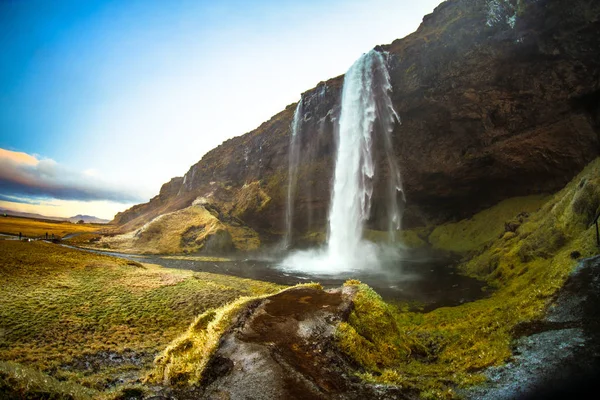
[{"x": 23, "y": 176}]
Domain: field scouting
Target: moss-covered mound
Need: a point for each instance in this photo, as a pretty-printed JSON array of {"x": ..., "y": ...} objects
[
  {"x": 436, "y": 352},
  {"x": 194, "y": 229}
]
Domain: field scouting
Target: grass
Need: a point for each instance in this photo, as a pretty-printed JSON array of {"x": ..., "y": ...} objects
[
  {"x": 470, "y": 234},
  {"x": 437, "y": 352},
  {"x": 186, "y": 230},
  {"x": 20, "y": 382},
  {"x": 83, "y": 239},
  {"x": 35, "y": 228},
  {"x": 61, "y": 308}
]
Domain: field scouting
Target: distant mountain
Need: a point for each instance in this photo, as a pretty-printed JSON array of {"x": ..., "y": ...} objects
[
  {"x": 29, "y": 215},
  {"x": 88, "y": 219},
  {"x": 75, "y": 219}
]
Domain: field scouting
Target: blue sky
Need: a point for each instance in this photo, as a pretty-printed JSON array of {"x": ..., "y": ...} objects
[{"x": 109, "y": 97}]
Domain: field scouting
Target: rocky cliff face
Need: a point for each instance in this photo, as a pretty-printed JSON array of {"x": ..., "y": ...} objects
[{"x": 498, "y": 98}]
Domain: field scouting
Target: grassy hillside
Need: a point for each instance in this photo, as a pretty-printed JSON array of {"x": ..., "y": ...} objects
[
  {"x": 190, "y": 230},
  {"x": 94, "y": 322},
  {"x": 526, "y": 263}
]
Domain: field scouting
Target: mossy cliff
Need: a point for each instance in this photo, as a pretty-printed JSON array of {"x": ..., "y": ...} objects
[{"x": 498, "y": 99}]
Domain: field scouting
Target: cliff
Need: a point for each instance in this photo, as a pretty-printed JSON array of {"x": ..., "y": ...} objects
[{"x": 497, "y": 99}]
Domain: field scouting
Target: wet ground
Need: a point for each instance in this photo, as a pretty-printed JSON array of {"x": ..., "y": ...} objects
[{"x": 428, "y": 281}]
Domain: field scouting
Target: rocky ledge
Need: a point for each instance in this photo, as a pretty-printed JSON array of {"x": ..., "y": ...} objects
[{"x": 282, "y": 347}]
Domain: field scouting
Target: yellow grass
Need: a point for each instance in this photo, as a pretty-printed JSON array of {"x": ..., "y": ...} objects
[
  {"x": 184, "y": 360},
  {"x": 60, "y": 307},
  {"x": 35, "y": 228}
]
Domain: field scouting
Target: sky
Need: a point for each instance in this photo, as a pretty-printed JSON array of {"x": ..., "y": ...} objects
[{"x": 101, "y": 102}]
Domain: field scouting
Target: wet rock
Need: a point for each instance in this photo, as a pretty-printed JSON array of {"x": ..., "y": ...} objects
[{"x": 284, "y": 349}]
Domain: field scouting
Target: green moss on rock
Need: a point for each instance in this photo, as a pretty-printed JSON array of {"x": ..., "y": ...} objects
[{"x": 472, "y": 233}]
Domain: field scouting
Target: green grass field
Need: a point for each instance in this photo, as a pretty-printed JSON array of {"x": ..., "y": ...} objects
[{"x": 76, "y": 324}]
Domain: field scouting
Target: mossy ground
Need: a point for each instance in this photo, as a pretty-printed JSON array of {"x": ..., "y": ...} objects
[
  {"x": 30, "y": 227},
  {"x": 436, "y": 352},
  {"x": 61, "y": 308}
]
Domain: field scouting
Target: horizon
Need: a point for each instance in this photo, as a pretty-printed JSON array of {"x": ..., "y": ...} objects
[{"x": 104, "y": 102}]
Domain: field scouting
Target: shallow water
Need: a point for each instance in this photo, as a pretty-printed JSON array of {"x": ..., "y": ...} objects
[{"x": 429, "y": 281}]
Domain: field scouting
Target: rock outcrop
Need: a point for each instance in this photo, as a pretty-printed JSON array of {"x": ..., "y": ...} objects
[
  {"x": 283, "y": 347},
  {"x": 498, "y": 98}
]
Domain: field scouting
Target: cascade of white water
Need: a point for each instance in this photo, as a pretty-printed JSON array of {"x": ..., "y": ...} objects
[
  {"x": 366, "y": 110},
  {"x": 294, "y": 159},
  {"x": 366, "y": 105}
]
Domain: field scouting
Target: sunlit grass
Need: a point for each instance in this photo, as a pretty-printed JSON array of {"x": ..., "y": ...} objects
[
  {"x": 35, "y": 228},
  {"x": 60, "y": 307},
  {"x": 190, "y": 230}
]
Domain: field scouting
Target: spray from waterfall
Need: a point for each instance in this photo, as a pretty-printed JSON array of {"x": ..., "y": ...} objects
[
  {"x": 294, "y": 160},
  {"x": 366, "y": 110}
]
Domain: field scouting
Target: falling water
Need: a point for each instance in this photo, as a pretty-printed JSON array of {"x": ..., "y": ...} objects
[
  {"x": 366, "y": 110},
  {"x": 294, "y": 159},
  {"x": 365, "y": 103}
]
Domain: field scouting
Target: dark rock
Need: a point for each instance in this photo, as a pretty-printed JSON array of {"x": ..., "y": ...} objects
[{"x": 511, "y": 226}]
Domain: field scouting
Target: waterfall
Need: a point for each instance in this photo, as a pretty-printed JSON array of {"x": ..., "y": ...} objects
[
  {"x": 294, "y": 159},
  {"x": 366, "y": 108},
  {"x": 366, "y": 113}
]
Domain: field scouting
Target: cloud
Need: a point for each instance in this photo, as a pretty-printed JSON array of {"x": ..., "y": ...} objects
[
  {"x": 24, "y": 176},
  {"x": 21, "y": 200}
]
